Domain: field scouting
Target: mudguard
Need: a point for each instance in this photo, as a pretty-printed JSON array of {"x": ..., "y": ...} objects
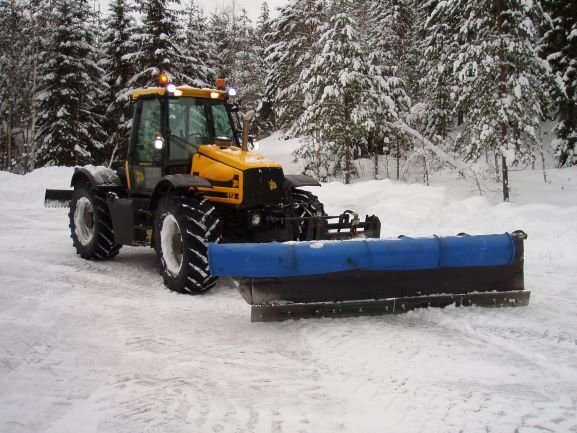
[
  {"x": 176, "y": 182},
  {"x": 300, "y": 180},
  {"x": 96, "y": 176}
]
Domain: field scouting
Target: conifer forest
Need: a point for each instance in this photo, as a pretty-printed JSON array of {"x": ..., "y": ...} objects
[{"x": 431, "y": 82}]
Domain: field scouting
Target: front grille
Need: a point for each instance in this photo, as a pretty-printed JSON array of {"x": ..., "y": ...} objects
[{"x": 263, "y": 186}]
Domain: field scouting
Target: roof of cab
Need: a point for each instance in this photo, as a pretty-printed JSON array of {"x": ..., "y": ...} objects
[{"x": 186, "y": 91}]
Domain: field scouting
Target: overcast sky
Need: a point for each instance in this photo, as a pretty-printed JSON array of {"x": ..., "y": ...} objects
[{"x": 252, "y": 6}]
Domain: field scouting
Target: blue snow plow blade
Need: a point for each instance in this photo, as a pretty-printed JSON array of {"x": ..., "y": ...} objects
[
  {"x": 371, "y": 277},
  {"x": 292, "y": 259}
]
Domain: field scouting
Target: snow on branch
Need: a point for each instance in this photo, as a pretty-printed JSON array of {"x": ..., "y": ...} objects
[{"x": 444, "y": 156}]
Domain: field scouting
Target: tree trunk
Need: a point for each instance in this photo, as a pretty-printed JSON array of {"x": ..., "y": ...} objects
[
  {"x": 505, "y": 178},
  {"x": 398, "y": 155},
  {"x": 503, "y": 93},
  {"x": 375, "y": 147},
  {"x": 348, "y": 146}
]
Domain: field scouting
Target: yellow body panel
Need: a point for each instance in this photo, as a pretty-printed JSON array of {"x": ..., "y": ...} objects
[
  {"x": 224, "y": 167},
  {"x": 235, "y": 157}
]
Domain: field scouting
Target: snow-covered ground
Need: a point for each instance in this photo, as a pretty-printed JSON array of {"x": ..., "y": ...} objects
[{"x": 103, "y": 347}]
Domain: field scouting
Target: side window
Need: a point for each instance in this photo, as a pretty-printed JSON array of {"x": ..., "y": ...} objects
[
  {"x": 148, "y": 127},
  {"x": 222, "y": 126}
]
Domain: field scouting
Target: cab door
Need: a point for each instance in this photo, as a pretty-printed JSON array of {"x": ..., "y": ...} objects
[{"x": 144, "y": 165}]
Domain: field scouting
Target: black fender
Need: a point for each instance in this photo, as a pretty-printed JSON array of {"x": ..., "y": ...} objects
[
  {"x": 299, "y": 180},
  {"x": 176, "y": 182},
  {"x": 97, "y": 177}
]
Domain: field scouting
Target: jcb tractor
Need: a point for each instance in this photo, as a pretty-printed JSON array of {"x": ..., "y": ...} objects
[
  {"x": 189, "y": 180},
  {"x": 190, "y": 188}
]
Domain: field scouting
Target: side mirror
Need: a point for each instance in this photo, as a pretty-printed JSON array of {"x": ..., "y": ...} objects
[{"x": 158, "y": 141}]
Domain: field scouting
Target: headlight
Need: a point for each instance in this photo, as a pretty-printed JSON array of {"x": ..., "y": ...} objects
[{"x": 255, "y": 219}]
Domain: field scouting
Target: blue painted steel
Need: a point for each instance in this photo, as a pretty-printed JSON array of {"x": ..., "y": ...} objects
[{"x": 291, "y": 259}]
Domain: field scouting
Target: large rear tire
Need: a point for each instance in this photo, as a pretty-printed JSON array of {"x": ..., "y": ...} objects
[
  {"x": 91, "y": 225},
  {"x": 184, "y": 227}
]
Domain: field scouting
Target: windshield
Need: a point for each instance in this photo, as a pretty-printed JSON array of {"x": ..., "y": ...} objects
[{"x": 193, "y": 122}]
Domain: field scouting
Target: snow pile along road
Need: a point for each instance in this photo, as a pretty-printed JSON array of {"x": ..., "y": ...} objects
[{"x": 91, "y": 346}]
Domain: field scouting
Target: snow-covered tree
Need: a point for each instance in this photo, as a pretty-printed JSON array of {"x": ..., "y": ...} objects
[
  {"x": 247, "y": 76},
  {"x": 265, "y": 121},
  {"x": 14, "y": 69},
  {"x": 560, "y": 49},
  {"x": 69, "y": 128},
  {"x": 437, "y": 85},
  {"x": 294, "y": 38},
  {"x": 390, "y": 35},
  {"x": 343, "y": 98},
  {"x": 201, "y": 50},
  {"x": 220, "y": 30},
  {"x": 117, "y": 50},
  {"x": 500, "y": 78},
  {"x": 161, "y": 40}
]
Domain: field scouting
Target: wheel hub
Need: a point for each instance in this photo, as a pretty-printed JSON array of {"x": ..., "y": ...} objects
[
  {"x": 171, "y": 244},
  {"x": 84, "y": 221}
]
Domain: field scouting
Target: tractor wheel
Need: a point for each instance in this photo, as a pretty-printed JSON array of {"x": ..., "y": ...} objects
[
  {"x": 306, "y": 204},
  {"x": 183, "y": 228},
  {"x": 91, "y": 225}
]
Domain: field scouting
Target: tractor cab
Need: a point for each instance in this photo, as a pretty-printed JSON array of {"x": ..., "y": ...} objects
[{"x": 169, "y": 125}]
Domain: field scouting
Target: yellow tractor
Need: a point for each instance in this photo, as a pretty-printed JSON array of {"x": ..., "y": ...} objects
[{"x": 189, "y": 180}]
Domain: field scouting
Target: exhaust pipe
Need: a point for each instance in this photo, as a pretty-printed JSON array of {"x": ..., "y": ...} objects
[{"x": 246, "y": 119}]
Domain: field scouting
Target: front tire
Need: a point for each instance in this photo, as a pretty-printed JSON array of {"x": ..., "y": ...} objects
[
  {"x": 91, "y": 225},
  {"x": 307, "y": 205},
  {"x": 183, "y": 229}
]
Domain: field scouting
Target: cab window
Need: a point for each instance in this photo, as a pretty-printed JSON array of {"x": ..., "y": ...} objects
[
  {"x": 194, "y": 122},
  {"x": 148, "y": 127}
]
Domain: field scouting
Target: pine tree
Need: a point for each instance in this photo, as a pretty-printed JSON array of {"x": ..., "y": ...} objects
[
  {"x": 390, "y": 33},
  {"x": 69, "y": 128},
  {"x": 14, "y": 67},
  {"x": 500, "y": 77},
  {"x": 265, "y": 122},
  {"x": 161, "y": 41},
  {"x": 294, "y": 36},
  {"x": 117, "y": 48},
  {"x": 247, "y": 76},
  {"x": 338, "y": 89},
  {"x": 39, "y": 16},
  {"x": 560, "y": 49},
  {"x": 201, "y": 50},
  {"x": 437, "y": 84},
  {"x": 220, "y": 30}
]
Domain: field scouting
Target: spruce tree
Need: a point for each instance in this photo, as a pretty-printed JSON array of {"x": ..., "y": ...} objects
[
  {"x": 201, "y": 50},
  {"x": 500, "y": 78},
  {"x": 161, "y": 40},
  {"x": 247, "y": 77},
  {"x": 338, "y": 89},
  {"x": 69, "y": 128},
  {"x": 117, "y": 49},
  {"x": 560, "y": 49},
  {"x": 294, "y": 36},
  {"x": 13, "y": 72},
  {"x": 437, "y": 85},
  {"x": 390, "y": 33}
]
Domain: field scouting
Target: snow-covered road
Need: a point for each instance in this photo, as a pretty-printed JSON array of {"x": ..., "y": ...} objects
[{"x": 103, "y": 347}]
